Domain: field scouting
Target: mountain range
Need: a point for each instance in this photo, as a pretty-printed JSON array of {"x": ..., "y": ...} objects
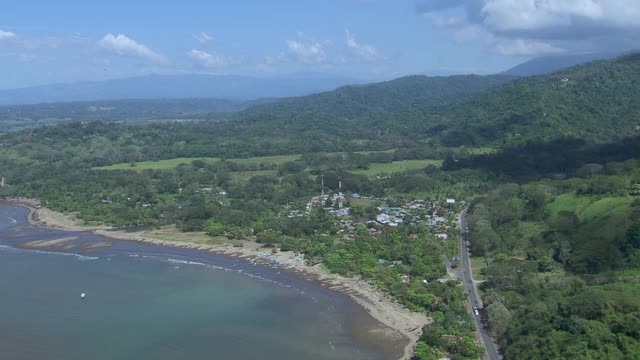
[
  {"x": 548, "y": 64},
  {"x": 231, "y": 87},
  {"x": 240, "y": 88}
]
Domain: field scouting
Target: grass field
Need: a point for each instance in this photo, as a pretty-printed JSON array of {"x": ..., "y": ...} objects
[
  {"x": 374, "y": 169},
  {"x": 171, "y": 163},
  {"x": 375, "y": 152},
  {"x": 397, "y": 166},
  {"x": 477, "y": 264},
  {"x": 279, "y": 160},
  {"x": 170, "y": 233},
  {"x": 246, "y": 175},
  {"x": 569, "y": 202},
  {"x": 155, "y": 165},
  {"x": 588, "y": 208},
  {"x": 613, "y": 206},
  {"x": 482, "y": 150}
]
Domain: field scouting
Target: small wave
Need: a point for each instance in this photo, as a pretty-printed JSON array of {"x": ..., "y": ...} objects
[
  {"x": 7, "y": 248},
  {"x": 180, "y": 263},
  {"x": 185, "y": 262},
  {"x": 44, "y": 252}
]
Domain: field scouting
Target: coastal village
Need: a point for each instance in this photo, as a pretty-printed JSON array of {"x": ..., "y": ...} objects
[{"x": 441, "y": 216}]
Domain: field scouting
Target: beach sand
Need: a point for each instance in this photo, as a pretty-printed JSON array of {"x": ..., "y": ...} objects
[{"x": 399, "y": 320}]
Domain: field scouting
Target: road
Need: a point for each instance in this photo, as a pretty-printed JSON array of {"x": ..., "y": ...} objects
[{"x": 467, "y": 278}]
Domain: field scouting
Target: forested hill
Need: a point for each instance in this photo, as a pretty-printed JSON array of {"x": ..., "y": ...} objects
[
  {"x": 597, "y": 102},
  {"x": 354, "y": 101},
  {"x": 549, "y": 64}
]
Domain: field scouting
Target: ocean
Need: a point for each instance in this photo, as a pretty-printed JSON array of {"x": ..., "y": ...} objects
[{"x": 149, "y": 302}]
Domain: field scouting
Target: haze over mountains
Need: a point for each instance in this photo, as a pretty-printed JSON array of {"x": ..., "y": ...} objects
[
  {"x": 231, "y": 87},
  {"x": 485, "y": 109},
  {"x": 548, "y": 64},
  {"x": 346, "y": 101},
  {"x": 235, "y": 87}
]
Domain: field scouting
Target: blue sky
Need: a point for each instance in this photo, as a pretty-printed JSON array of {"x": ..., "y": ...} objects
[{"x": 64, "y": 41}]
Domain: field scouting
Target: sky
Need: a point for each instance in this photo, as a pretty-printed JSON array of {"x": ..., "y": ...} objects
[{"x": 43, "y": 42}]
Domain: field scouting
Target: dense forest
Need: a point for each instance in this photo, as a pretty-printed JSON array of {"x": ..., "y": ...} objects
[{"x": 548, "y": 165}]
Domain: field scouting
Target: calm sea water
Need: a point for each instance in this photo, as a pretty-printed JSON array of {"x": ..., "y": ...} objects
[{"x": 147, "y": 302}]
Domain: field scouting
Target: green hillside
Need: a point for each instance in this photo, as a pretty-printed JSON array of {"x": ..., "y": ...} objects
[
  {"x": 357, "y": 101},
  {"x": 549, "y": 170},
  {"x": 599, "y": 101}
]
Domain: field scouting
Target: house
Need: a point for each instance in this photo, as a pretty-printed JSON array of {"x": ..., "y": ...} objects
[
  {"x": 383, "y": 218},
  {"x": 442, "y": 236},
  {"x": 342, "y": 212}
]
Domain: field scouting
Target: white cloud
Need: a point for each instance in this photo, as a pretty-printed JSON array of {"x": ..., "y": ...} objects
[
  {"x": 307, "y": 50},
  {"x": 532, "y": 15},
  {"x": 521, "y": 47},
  {"x": 364, "y": 51},
  {"x": 203, "y": 38},
  {"x": 541, "y": 26},
  {"x": 207, "y": 60},
  {"x": 6, "y": 35},
  {"x": 124, "y": 46}
]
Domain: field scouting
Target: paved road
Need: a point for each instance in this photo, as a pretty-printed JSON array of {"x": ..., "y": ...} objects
[{"x": 491, "y": 350}]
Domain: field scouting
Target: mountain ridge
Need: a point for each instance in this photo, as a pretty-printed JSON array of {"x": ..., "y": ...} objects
[{"x": 231, "y": 87}]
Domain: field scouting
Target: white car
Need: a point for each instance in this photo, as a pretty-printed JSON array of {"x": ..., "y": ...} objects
[{"x": 475, "y": 311}]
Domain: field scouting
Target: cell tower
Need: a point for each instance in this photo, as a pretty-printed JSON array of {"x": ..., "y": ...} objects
[{"x": 340, "y": 196}]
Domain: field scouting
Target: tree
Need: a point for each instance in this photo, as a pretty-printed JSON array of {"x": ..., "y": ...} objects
[
  {"x": 545, "y": 264},
  {"x": 499, "y": 317},
  {"x": 214, "y": 228},
  {"x": 268, "y": 237}
]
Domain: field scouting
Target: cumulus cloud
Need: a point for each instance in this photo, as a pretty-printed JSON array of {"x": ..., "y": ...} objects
[
  {"x": 529, "y": 27},
  {"x": 203, "y": 38},
  {"x": 124, "y": 46},
  {"x": 206, "y": 60},
  {"x": 363, "y": 51},
  {"x": 6, "y": 35},
  {"x": 307, "y": 50}
]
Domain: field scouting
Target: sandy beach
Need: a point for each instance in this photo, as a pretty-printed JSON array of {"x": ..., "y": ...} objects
[{"x": 400, "y": 321}]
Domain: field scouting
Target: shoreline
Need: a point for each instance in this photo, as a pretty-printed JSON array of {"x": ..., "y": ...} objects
[{"x": 377, "y": 304}]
